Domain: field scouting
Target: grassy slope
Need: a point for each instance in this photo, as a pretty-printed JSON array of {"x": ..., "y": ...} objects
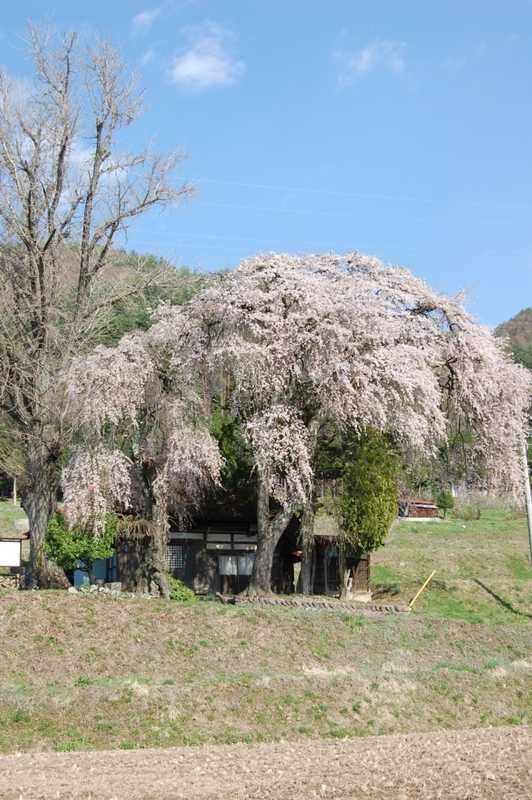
[
  {"x": 9, "y": 513},
  {"x": 476, "y": 562},
  {"x": 97, "y": 672}
]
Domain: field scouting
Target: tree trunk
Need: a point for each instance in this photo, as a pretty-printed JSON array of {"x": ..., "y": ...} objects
[
  {"x": 39, "y": 503},
  {"x": 130, "y": 554},
  {"x": 261, "y": 576},
  {"x": 306, "y": 578},
  {"x": 158, "y": 558},
  {"x": 143, "y": 560},
  {"x": 269, "y": 531},
  {"x": 307, "y": 542}
]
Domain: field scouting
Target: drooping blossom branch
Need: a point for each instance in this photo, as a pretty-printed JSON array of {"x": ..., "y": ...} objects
[
  {"x": 109, "y": 384},
  {"x": 281, "y": 444},
  {"x": 310, "y": 340},
  {"x": 95, "y": 482},
  {"x": 193, "y": 465},
  {"x": 130, "y": 393}
]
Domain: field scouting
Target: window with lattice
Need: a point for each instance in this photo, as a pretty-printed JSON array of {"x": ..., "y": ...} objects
[{"x": 176, "y": 556}]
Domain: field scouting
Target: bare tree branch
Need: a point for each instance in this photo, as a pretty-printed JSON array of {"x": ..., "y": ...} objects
[{"x": 62, "y": 207}]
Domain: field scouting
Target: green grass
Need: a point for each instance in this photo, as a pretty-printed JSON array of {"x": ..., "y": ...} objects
[
  {"x": 520, "y": 567},
  {"x": 68, "y": 686},
  {"x": 383, "y": 574},
  {"x": 441, "y": 604},
  {"x": 91, "y": 672},
  {"x": 483, "y": 571},
  {"x": 9, "y": 514}
]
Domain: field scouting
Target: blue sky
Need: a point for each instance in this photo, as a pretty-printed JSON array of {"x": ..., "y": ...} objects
[{"x": 401, "y": 129}]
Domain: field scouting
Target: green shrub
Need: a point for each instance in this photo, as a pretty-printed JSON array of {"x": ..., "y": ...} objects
[
  {"x": 179, "y": 592},
  {"x": 69, "y": 547},
  {"x": 445, "y": 501},
  {"x": 369, "y": 494},
  {"x": 468, "y": 511},
  {"x": 360, "y": 471}
]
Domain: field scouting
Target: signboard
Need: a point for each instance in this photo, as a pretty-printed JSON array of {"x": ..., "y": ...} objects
[{"x": 10, "y": 553}]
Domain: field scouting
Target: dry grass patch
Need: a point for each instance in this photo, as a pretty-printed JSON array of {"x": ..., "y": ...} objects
[
  {"x": 91, "y": 672},
  {"x": 95, "y": 672}
]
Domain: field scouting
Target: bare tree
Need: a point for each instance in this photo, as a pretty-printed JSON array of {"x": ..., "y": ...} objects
[{"x": 67, "y": 193}]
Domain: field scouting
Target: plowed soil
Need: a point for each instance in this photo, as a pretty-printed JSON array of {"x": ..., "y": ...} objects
[{"x": 487, "y": 764}]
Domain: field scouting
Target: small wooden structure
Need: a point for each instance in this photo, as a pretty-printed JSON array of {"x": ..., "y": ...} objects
[
  {"x": 418, "y": 508},
  {"x": 329, "y": 563},
  {"x": 211, "y": 558},
  {"x": 360, "y": 572},
  {"x": 219, "y": 557}
]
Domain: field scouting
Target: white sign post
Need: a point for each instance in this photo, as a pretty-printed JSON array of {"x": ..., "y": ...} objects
[{"x": 10, "y": 552}]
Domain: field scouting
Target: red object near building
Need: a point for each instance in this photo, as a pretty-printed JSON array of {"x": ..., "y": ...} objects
[{"x": 418, "y": 508}]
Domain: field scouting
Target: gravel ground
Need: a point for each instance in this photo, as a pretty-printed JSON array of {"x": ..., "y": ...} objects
[{"x": 488, "y": 764}]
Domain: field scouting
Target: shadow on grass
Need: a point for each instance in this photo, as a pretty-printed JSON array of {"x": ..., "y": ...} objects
[{"x": 502, "y": 602}]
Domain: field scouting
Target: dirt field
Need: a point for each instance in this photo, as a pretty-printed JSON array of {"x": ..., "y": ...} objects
[{"x": 486, "y": 764}]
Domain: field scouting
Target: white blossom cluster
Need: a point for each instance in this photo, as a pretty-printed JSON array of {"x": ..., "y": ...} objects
[
  {"x": 192, "y": 465},
  {"x": 95, "y": 481},
  {"x": 281, "y": 445},
  {"x": 349, "y": 339},
  {"x": 294, "y": 342},
  {"x": 130, "y": 394},
  {"x": 109, "y": 384}
]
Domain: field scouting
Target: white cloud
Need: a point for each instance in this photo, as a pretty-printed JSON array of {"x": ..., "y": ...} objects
[
  {"x": 380, "y": 54},
  {"x": 81, "y": 157},
  {"x": 143, "y": 21},
  {"x": 148, "y": 56},
  {"x": 80, "y": 154},
  {"x": 208, "y": 62}
]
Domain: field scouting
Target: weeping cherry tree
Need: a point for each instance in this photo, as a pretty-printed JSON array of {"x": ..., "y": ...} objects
[
  {"x": 145, "y": 450},
  {"x": 303, "y": 342}
]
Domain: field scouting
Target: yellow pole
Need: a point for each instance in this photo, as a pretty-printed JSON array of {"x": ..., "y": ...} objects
[{"x": 432, "y": 574}]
